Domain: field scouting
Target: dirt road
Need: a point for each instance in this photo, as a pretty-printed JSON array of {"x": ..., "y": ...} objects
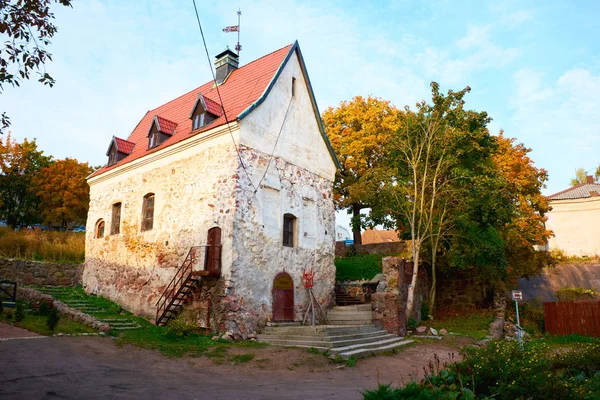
[{"x": 94, "y": 368}]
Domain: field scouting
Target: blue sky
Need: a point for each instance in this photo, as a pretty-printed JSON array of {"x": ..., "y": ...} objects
[{"x": 533, "y": 66}]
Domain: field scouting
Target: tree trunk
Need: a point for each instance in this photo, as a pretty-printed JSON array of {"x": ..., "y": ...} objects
[
  {"x": 410, "y": 300},
  {"x": 432, "y": 291},
  {"x": 356, "y": 224}
]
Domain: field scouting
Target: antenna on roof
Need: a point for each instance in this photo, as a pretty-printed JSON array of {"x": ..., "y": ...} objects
[{"x": 235, "y": 28}]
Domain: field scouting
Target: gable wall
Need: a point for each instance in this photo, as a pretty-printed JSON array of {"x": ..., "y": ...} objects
[
  {"x": 300, "y": 142},
  {"x": 299, "y": 181},
  {"x": 576, "y": 226},
  {"x": 193, "y": 192}
]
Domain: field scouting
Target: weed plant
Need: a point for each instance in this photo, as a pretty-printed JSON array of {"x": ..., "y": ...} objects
[{"x": 62, "y": 247}]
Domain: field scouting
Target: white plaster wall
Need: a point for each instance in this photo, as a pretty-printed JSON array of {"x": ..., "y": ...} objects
[
  {"x": 300, "y": 142},
  {"x": 576, "y": 226},
  {"x": 194, "y": 191}
]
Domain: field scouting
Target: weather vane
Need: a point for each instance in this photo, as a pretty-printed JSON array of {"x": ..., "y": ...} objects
[{"x": 235, "y": 28}]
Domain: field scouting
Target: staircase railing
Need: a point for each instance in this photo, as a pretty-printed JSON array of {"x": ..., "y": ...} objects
[{"x": 181, "y": 276}]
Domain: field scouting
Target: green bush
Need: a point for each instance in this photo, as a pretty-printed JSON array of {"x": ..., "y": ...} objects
[
  {"x": 412, "y": 324},
  {"x": 1, "y": 307},
  {"x": 44, "y": 308},
  {"x": 52, "y": 319},
  {"x": 507, "y": 370},
  {"x": 19, "y": 312},
  {"x": 358, "y": 267},
  {"x": 180, "y": 326},
  {"x": 570, "y": 293}
]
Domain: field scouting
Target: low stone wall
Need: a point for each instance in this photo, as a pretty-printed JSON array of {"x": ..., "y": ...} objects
[
  {"x": 32, "y": 295},
  {"x": 28, "y": 272},
  {"x": 461, "y": 293},
  {"x": 341, "y": 250},
  {"x": 389, "y": 302}
]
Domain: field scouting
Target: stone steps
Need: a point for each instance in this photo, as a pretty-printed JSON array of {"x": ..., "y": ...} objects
[{"x": 342, "y": 341}]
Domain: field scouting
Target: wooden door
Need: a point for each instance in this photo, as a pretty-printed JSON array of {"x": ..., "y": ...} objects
[
  {"x": 213, "y": 252},
  {"x": 283, "y": 297}
]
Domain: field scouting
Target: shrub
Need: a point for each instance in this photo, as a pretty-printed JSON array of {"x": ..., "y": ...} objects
[
  {"x": 570, "y": 293},
  {"x": 411, "y": 324},
  {"x": 19, "y": 312},
  {"x": 1, "y": 307},
  {"x": 52, "y": 319},
  {"x": 9, "y": 314},
  {"x": 358, "y": 267},
  {"x": 180, "y": 326},
  {"x": 44, "y": 308}
]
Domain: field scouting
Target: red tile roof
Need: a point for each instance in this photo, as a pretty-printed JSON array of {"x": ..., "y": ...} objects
[
  {"x": 124, "y": 146},
  {"x": 379, "y": 236},
  {"x": 241, "y": 89},
  {"x": 166, "y": 126}
]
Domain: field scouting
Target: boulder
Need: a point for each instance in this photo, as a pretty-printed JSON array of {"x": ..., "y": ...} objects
[
  {"x": 421, "y": 330},
  {"x": 443, "y": 332},
  {"x": 214, "y": 338},
  {"x": 433, "y": 331}
]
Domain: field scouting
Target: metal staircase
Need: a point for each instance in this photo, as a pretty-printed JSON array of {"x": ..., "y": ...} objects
[{"x": 186, "y": 280}]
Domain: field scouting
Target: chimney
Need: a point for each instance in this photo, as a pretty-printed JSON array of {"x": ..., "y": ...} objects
[
  {"x": 590, "y": 179},
  {"x": 594, "y": 193},
  {"x": 225, "y": 63}
]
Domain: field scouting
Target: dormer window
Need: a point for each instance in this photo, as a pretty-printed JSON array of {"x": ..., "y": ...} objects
[
  {"x": 118, "y": 150},
  {"x": 160, "y": 130},
  {"x": 204, "y": 112}
]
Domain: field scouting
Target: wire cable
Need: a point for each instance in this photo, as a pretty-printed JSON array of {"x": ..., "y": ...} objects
[{"x": 221, "y": 100}]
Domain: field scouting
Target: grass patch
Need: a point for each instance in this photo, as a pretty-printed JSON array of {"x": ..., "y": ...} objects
[
  {"x": 358, "y": 267},
  {"x": 242, "y": 358},
  {"x": 37, "y": 323},
  {"x": 60, "y": 247},
  {"x": 573, "y": 339},
  {"x": 475, "y": 324}
]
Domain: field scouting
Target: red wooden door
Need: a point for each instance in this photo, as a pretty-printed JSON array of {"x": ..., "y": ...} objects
[
  {"x": 283, "y": 298},
  {"x": 213, "y": 252}
]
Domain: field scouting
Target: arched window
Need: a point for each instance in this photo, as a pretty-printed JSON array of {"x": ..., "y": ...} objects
[
  {"x": 99, "y": 231},
  {"x": 289, "y": 228},
  {"x": 148, "y": 212}
]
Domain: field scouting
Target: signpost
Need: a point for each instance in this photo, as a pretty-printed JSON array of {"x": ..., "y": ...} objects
[{"x": 517, "y": 296}]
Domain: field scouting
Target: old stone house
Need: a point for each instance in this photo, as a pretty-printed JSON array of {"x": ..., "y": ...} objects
[
  {"x": 575, "y": 219},
  {"x": 224, "y": 216}
]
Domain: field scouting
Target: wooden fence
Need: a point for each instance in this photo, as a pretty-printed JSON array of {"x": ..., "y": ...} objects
[{"x": 564, "y": 318}]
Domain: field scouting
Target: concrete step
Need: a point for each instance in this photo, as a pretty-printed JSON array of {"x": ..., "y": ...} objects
[
  {"x": 320, "y": 330},
  {"x": 124, "y": 328},
  {"x": 368, "y": 345},
  {"x": 330, "y": 338},
  {"x": 358, "y": 307},
  {"x": 362, "y": 352},
  {"x": 349, "y": 314},
  {"x": 324, "y": 342}
]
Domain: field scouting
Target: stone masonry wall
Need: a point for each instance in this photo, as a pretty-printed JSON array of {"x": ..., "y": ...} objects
[
  {"x": 192, "y": 195},
  {"x": 28, "y": 272},
  {"x": 389, "y": 302},
  {"x": 341, "y": 249},
  {"x": 258, "y": 252}
]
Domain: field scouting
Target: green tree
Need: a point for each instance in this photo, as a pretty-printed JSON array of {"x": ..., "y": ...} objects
[
  {"x": 27, "y": 26},
  {"x": 434, "y": 155},
  {"x": 359, "y": 131},
  {"x": 19, "y": 164},
  {"x": 62, "y": 188}
]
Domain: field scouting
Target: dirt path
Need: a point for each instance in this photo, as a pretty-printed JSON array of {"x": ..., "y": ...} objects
[{"x": 93, "y": 367}]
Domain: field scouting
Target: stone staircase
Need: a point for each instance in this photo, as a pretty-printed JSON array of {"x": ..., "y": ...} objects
[
  {"x": 85, "y": 304},
  {"x": 344, "y": 341},
  {"x": 359, "y": 314}
]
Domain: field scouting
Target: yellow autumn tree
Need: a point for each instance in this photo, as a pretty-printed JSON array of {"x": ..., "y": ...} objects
[
  {"x": 524, "y": 183},
  {"x": 63, "y": 191},
  {"x": 359, "y": 131}
]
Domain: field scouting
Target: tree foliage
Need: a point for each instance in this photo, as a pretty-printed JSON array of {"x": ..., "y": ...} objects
[
  {"x": 28, "y": 28},
  {"x": 62, "y": 188},
  {"x": 359, "y": 131},
  {"x": 19, "y": 164},
  {"x": 581, "y": 176}
]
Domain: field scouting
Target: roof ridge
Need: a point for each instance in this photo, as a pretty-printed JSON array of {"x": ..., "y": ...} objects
[{"x": 568, "y": 189}]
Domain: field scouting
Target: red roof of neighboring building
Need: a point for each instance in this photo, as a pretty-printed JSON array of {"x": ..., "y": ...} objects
[
  {"x": 166, "y": 126},
  {"x": 241, "y": 89},
  {"x": 581, "y": 191},
  {"x": 379, "y": 236}
]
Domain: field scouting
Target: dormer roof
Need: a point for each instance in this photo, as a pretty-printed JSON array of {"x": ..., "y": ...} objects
[
  {"x": 123, "y": 146},
  {"x": 163, "y": 125},
  {"x": 208, "y": 105}
]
